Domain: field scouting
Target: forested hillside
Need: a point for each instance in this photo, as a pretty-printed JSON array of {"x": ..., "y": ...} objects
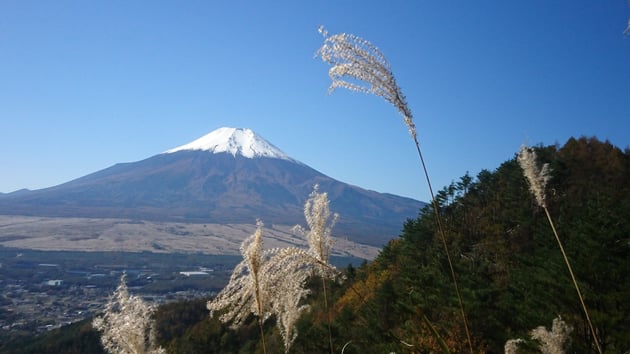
[
  {"x": 508, "y": 264},
  {"x": 510, "y": 271}
]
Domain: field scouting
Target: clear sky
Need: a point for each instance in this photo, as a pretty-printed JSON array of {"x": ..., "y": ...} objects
[{"x": 87, "y": 84}]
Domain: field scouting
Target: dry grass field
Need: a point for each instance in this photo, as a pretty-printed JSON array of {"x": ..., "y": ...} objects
[{"x": 92, "y": 234}]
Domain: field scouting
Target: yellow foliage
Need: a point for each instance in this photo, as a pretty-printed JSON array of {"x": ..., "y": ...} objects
[{"x": 362, "y": 291}]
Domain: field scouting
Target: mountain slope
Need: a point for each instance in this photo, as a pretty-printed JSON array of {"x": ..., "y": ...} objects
[{"x": 228, "y": 176}]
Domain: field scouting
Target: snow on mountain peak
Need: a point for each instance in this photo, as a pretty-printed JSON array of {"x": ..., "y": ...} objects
[{"x": 235, "y": 141}]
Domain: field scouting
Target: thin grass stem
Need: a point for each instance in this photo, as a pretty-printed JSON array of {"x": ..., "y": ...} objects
[
  {"x": 262, "y": 335},
  {"x": 436, "y": 334},
  {"x": 260, "y": 319},
  {"x": 438, "y": 219},
  {"x": 575, "y": 284},
  {"x": 330, "y": 341},
  {"x": 358, "y": 65}
]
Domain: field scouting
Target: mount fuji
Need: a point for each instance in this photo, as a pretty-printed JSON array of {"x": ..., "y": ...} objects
[{"x": 229, "y": 176}]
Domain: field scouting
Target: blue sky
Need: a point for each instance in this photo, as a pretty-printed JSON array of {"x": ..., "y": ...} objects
[{"x": 85, "y": 85}]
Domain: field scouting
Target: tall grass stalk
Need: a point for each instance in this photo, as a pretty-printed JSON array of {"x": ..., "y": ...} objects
[
  {"x": 575, "y": 284},
  {"x": 328, "y": 320},
  {"x": 552, "y": 342},
  {"x": 247, "y": 291},
  {"x": 357, "y": 65},
  {"x": 126, "y": 326},
  {"x": 272, "y": 282},
  {"x": 320, "y": 222},
  {"x": 511, "y": 346},
  {"x": 436, "y": 334},
  {"x": 537, "y": 179}
]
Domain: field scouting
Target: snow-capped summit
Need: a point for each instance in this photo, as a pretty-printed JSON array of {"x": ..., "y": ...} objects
[{"x": 235, "y": 141}]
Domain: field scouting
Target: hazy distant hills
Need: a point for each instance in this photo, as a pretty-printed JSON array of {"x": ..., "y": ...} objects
[{"x": 230, "y": 176}]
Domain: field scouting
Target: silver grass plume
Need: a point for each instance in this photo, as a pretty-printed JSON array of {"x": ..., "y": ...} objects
[
  {"x": 320, "y": 223},
  {"x": 536, "y": 176},
  {"x": 126, "y": 325},
  {"x": 358, "y": 65},
  {"x": 294, "y": 265},
  {"x": 287, "y": 313},
  {"x": 511, "y": 346},
  {"x": 552, "y": 342},
  {"x": 288, "y": 272},
  {"x": 272, "y": 282},
  {"x": 288, "y": 268},
  {"x": 247, "y": 290}
]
